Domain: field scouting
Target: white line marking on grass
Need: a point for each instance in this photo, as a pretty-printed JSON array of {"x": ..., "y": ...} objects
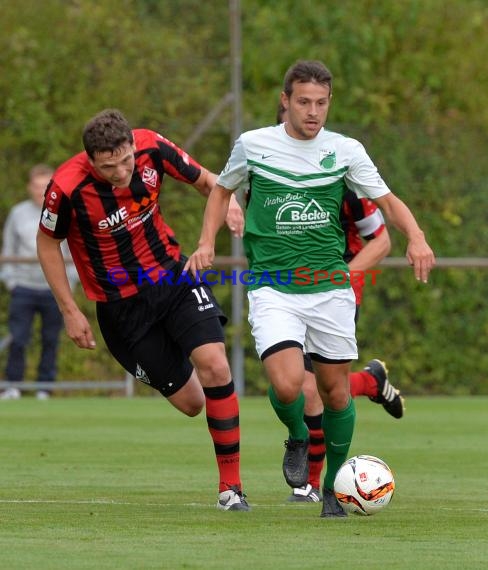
[
  {"x": 94, "y": 502},
  {"x": 464, "y": 509},
  {"x": 128, "y": 503}
]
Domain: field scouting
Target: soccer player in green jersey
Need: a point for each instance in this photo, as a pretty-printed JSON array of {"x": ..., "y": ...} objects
[{"x": 300, "y": 297}]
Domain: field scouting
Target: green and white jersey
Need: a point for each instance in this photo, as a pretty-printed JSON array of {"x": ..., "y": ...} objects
[{"x": 293, "y": 237}]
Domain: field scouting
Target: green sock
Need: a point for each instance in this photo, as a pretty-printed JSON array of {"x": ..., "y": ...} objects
[
  {"x": 338, "y": 426},
  {"x": 290, "y": 414}
]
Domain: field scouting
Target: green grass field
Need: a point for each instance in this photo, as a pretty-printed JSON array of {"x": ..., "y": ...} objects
[{"x": 131, "y": 484}]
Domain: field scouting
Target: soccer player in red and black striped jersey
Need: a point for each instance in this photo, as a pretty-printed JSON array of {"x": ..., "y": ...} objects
[{"x": 161, "y": 325}]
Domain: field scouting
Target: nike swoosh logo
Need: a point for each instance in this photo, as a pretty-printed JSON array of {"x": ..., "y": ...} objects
[
  {"x": 339, "y": 444},
  {"x": 265, "y": 156}
]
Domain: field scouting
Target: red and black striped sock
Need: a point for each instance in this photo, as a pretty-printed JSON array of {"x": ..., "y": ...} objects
[
  {"x": 222, "y": 409},
  {"x": 316, "y": 450},
  {"x": 363, "y": 384}
]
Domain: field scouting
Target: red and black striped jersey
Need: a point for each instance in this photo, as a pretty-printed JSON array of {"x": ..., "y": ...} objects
[
  {"x": 361, "y": 220},
  {"x": 122, "y": 230}
]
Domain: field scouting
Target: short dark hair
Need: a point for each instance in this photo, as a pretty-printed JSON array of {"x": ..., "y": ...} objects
[
  {"x": 305, "y": 71},
  {"x": 106, "y": 131}
]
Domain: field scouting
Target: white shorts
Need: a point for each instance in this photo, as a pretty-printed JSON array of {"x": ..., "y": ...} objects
[{"x": 323, "y": 323}]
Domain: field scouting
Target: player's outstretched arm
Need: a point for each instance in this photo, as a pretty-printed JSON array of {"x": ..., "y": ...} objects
[
  {"x": 235, "y": 217},
  {"x": 53, "y": 265},
  {"x": 374, "y": 251},
  {"x": 419, "y": 254},
  {"x": 215, "y": 213}
]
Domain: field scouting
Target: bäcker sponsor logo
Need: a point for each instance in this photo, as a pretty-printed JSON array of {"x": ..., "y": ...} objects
[
  {"x": 301, "y": 276},
  {"x": 296, "y": 217}
]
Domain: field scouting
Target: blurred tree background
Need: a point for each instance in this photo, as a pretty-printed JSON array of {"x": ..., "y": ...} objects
[{"x": 411, "y": 82}]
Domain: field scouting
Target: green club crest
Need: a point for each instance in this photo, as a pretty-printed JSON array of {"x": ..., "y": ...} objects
[{"x": 327, "y": 159}]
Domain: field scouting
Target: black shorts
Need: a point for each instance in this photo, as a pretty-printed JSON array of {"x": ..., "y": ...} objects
[{"x": 153, "y": 333}]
